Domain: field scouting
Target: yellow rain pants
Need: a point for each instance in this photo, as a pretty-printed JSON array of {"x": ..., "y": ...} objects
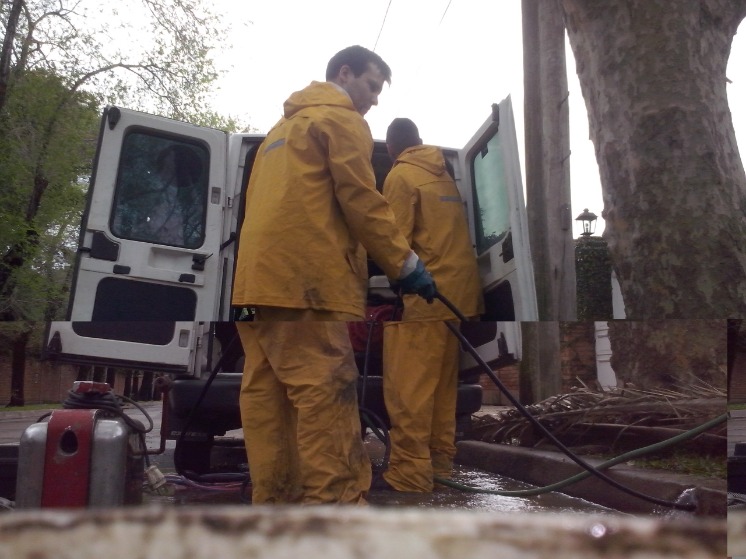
[
  {"x": 420, "y": 377},
  {"x": 299, "y": 413}
]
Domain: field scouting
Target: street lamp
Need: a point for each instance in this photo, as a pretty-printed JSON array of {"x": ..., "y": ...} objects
[{"x": 589, "y": 222}]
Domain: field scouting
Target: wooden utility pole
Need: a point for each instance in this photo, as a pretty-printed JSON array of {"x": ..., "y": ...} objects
[
  {"x": 547, "y": 130},
  {"x": 541, "y": 369}
]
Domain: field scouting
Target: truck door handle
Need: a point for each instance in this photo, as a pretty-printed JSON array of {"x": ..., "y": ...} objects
[
  {"x": 102, "y": 247},
  {"x": 198, "y": 261}
]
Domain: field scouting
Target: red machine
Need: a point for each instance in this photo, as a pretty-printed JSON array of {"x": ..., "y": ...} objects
[{"x": 88, "y": 457}]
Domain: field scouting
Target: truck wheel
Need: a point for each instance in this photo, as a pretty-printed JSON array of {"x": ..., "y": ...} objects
[
  {"x": 469, "y": 399},
  {"x": 194, "y": 456}
]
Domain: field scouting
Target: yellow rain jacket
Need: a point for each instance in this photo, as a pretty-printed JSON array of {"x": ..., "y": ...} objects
[
  {"x": 430, "y": 213},
  {"x": 311, "y": 203}
]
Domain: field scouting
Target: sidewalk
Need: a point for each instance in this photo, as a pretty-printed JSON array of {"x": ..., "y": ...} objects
[{"x": 542, "y": 468}]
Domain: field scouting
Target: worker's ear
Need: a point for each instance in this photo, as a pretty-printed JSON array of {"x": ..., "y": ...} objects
[{"x": 344, "y": 75}]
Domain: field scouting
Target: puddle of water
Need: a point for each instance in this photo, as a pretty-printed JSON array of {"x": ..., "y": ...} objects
[
  {"x": 451, "y": 498},
  {"x": 443, "y": 496}
]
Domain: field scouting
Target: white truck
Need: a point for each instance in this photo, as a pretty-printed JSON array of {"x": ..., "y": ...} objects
[{"x": 153, "y": 291}]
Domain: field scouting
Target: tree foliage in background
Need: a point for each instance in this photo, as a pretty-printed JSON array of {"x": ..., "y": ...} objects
[
  {"x": 61, "y": 61},
  {"x": 652, "y": 73},
  {"x": 41, "y": 169}
]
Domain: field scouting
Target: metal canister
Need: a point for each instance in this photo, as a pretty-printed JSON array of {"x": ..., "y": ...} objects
[{"x": 79, "y": 458}]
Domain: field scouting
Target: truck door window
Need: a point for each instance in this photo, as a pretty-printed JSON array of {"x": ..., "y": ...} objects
[
  {"x": 491, "y": 209},
  {"x": 161, "y": 190}
]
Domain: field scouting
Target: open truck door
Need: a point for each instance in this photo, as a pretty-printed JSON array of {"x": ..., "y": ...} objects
[
  {"x": 149, "y": 270},
  {"x": 151, "y": 233},
  {"x": 492, "y": 188}
]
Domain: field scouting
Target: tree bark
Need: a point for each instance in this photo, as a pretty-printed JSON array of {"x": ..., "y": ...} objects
[
  {"x": 127, "y": 391},
  {"x": 145, "y": 393},
  {"x": 99, "y": 374},
  {"x": 7, "y": 48},
  {"x": 18, "y": 369},
  {"x": 669, "y": 354},
  {"x": 653, "y": 77},
  {"x": 111, "y": 377},
  {"x": 541, "y": 369},
  {"x": 84, "y": 373}
]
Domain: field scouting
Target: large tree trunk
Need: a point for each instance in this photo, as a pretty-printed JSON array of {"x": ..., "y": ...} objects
[
  {"x": 99, "y": 374},
  {"x": 18, "y": 369},
  {"x": 6, "y": 48},
  {"x": 652, "y": 74},
  {"x": 672, "y": 354},
  {"x": 146, "y": 387},
  {"x": 84, "y": 373}
]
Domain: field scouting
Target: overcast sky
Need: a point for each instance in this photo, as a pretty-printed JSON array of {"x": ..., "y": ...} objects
[{"x": 451, "y": 59}]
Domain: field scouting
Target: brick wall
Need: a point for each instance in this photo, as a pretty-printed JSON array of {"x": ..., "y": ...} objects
[
  {"x": 43, "y": 384},
  {"x": 48, "y": 383},
  {"x": 578, "y": 361},
  {"x": 491, "y": 394},
  {"x": 578, "y": 354}
]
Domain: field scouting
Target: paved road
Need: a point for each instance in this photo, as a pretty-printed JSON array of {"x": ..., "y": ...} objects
[{"x": 14, "y": 423}]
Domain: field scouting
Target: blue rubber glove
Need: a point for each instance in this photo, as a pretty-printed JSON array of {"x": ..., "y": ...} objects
[{"x": 420, "y": 282}]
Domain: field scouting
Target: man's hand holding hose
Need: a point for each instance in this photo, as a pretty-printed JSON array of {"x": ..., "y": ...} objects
[{"x": 416, "y": 279}]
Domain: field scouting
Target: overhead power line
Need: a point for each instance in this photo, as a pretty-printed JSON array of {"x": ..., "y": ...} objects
[
  {"x": 383, "y": 23},
  {"x": 445, "y": 12}
]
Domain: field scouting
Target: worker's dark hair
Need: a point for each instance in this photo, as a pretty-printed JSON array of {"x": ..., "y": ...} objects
[
  {"x": 402, "y": 134},
  {"x": 357, "y": 58}
]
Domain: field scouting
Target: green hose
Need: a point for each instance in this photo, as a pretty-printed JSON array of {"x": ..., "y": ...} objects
[{"x": 605, "y": 465}]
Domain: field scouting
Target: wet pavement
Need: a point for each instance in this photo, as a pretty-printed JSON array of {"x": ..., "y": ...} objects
[
  {"x": 182, "y": 492},
  {"x": 214, "y": 522},
  {"x": 475, "y": 469}
]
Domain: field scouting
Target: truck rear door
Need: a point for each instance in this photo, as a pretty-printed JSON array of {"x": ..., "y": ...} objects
[
  {"x": 175, "y": 347},
  {"x": 492, "y": 188},
  {"x": 151, "y": 234}
]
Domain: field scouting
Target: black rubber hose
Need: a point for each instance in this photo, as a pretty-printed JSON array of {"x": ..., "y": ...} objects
[{"x": 570, "y": 454}]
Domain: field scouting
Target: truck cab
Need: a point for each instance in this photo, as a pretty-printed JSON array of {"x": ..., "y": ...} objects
[{"x": 155, "y": 263}]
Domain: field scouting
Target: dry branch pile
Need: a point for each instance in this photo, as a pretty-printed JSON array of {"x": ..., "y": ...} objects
[{"x": 615, "y": 420}]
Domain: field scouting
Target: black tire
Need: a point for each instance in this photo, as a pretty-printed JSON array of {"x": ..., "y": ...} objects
[
  {"x": 193, "y": 456},
  {"x": 469, "y": 399},
  {"x": 463, "y": 426}
]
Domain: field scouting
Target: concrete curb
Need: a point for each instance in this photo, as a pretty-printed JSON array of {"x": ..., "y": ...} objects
[{"x": 541, "y": 468}]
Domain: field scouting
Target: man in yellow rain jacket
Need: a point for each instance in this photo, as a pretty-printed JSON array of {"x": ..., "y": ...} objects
[
  {"x": 420, "y": 363},
  {"x": 312, "y": 210}
]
